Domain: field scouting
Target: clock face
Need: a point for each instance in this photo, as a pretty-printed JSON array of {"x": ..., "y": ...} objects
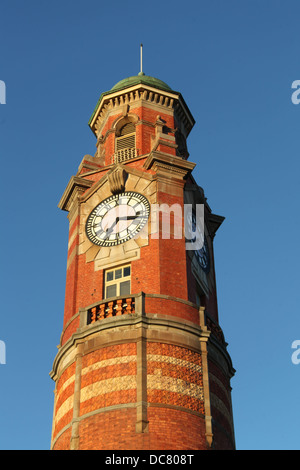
[
  {"x": 202, "y": 255},
  {"x": 117, "y": 219}
]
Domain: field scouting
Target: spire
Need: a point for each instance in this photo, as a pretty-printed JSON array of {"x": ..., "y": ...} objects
[{"x": 141, "y": 60}]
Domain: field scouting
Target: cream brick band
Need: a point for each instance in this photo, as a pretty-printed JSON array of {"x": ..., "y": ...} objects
[
  {"x": 68, "y": 403},
  {"x": 158, "y": 381},
  {"x": 174, "y": 360},
  {"x": 170, "y": 384},
  {"x": 100, "y": 387},
  {"x": 108, "y": 362},
  {"x": 66, "y": 384},
  {"x": 115, "y": 384},
  {"x": 64, "y": 408}
]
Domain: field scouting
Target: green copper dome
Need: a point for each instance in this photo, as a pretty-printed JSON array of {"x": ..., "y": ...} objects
[{"x": 143, "y": 79}]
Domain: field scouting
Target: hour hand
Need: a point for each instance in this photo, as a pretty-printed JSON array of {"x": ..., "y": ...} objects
[{"x": 110, "y": 229}]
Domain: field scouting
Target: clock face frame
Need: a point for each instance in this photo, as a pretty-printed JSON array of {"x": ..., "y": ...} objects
[
  {"x": 117, "y": 219},
  {"x": 202, "y": 255}
]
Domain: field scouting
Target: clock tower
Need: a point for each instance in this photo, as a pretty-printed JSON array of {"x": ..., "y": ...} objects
[{"x": 142, "y": 361}]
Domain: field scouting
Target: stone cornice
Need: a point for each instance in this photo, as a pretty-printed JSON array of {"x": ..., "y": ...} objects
[
  {"x": 131, "y": 323},
  {"x": 147, "y": 94},
  {"x": 214, "y": 222},
  {"x": 123, "y": 328},
  {"x": 112, "y": 169},
  {"x": 169, "y": 165},
  {"x": 76, "y": 186}
]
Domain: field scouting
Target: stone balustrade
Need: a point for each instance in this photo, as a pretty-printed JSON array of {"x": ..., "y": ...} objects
[{"x": 111, "y": 308}]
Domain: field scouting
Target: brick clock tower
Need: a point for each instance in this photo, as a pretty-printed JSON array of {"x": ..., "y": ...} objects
[{"x": 142, "y": 361}]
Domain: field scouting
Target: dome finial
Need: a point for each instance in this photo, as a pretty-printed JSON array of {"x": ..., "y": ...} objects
[{"x": 141, "y": 71}]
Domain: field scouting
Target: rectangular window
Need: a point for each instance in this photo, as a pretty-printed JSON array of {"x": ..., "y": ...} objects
[{"x": 118, "y": 282}]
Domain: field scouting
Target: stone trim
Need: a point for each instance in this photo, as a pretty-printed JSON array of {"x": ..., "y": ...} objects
[
  {"x": 87, "y": 415},
  {"x": 76, "y": 400},
  {"x": 141, "y": 411},
  {"x": 143, "y": 95},
  {"x": 217, "y": 351},
  {"x": 168, "y": 165},
  {"x": 206, "y": 389},
  {"x": 184, "y": 334},
  {"x": 123, "y": 406},
  {"x": 74, "y": 189}
]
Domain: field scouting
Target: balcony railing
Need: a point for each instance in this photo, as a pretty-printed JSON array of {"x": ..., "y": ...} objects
[
  {"x": 214, "y": 328},
  {"x": 124, "y": 154},
  {"x": 111, "y": 308},
  {"x": 134, "y": 304}
]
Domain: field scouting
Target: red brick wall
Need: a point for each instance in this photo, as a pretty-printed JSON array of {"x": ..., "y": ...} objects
[
  {"x": 110, "y": 367},
  {"x": 63, "y": 443},
  {"x": 175, "y": 430},
  {"x": 64, "y": 393},
  {"x": 221, "y": 407},
  {"x": 171, "y": 307},
  {"x": 144, "y": 132},
  {"x": 168, "y": 430}
]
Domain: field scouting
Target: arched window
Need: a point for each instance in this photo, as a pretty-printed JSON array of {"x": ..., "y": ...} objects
[{"x": 125, "y": 143}]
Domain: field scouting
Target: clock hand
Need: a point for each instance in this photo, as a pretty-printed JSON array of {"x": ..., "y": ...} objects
[
  {"x": 110, "y": 229},
  {"x": 130, "y": 217}
]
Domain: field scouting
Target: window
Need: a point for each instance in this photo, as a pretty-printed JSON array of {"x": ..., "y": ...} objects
[
  {"x": 117, "y": 282},
  {"x": 125, "y": 143}
]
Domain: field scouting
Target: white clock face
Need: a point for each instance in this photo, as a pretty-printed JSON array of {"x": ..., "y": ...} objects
[{"x": 117, "y": 219}]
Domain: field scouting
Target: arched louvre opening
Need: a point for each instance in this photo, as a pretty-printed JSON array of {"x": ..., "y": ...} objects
[{"x": 125, "y": 143}]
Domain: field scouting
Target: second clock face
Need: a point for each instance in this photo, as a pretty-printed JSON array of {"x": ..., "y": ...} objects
[
  {"x": 202, "y": 255},
  {"x": 117, "y": 219}
]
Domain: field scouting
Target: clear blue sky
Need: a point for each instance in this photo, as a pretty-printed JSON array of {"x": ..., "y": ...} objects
[{"x": 234, "y": 62}]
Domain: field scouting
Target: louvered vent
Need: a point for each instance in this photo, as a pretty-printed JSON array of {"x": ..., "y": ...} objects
[
  {"x": 128, "y": 129},
  {"x": 128, "y": 141},
  {"x": 125, "y": 144}
]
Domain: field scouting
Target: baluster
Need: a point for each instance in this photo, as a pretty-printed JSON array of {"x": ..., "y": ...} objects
[
  {"x": 110, "y": 309},
  {"x": 93, "y": 314},
  {"x": 102, "y": 312},
  {"x": 129, "y": 307},
  {"x": 119, "y": 307}
]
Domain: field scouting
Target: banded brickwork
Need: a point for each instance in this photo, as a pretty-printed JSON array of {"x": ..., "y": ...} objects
[
  {"x": 174, "y": 377},
  {"x": 108, "y": 378}
]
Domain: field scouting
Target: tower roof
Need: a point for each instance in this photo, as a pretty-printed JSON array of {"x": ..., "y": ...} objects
[
  {"x": 143, "y": 79},
  {"x": 140, "y": 79}
]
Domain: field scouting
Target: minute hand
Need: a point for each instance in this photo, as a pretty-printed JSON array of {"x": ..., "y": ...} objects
[
  {"x": 110, "y": 229},
  {"x": 130, "y": 217}
]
